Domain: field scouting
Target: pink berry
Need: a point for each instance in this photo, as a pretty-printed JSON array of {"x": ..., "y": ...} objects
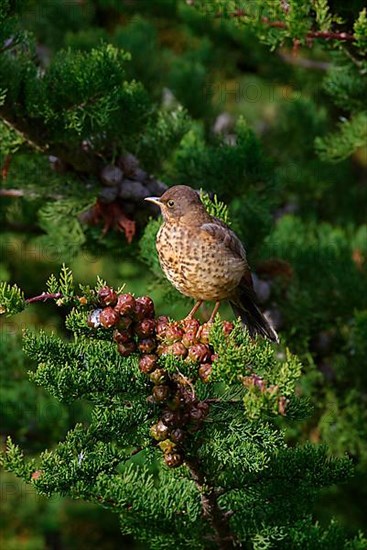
[
  {"x": 108, "y": 317},
  {"x": 145, "y": 328},
  {"x": 199, "y": 353},
  {"x": 125, "y": 304},
  {"x": 126, "y": 349},
  {"x": 107, "y": 296}
]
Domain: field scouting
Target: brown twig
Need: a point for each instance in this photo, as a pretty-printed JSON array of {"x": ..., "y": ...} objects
[
  {"x": 325, "y": 35},
  {"x": 11, "y": 193},
  {"x": 44, "y": 297},
  {"x": 188, "y": 382},
  {"x": 17, "y": 193},
  {"x": 24, "y": 137},
  {"x": 5, "y": 167},
  {"x": 216, "y": 517}
]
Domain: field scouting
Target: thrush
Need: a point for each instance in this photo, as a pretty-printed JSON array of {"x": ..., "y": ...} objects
[{"x": 205, "y": 260}]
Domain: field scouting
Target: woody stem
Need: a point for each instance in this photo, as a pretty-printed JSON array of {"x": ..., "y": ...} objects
[{"x": 216, "y": 517}]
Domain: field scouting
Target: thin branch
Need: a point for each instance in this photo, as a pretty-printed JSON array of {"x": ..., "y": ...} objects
[
  {"x": 5, "y": 167},
  {"x": 217, "y": 518},
  {"x": 12, "y": 193},
  {"x": 187, "y": 381},
  {"x": 44, "y": 297},
  {"x": 24, "y": 137},
  {"x": 17, "y": 193},
  {"x": 325, "y": 35},
  {"x": 357, "y": 62}
]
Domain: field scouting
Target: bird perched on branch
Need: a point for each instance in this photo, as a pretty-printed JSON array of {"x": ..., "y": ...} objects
[{"x": 205, "y": 260}]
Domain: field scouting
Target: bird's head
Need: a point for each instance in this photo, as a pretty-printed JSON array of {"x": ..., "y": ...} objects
[{"x": 178, "y": 202}]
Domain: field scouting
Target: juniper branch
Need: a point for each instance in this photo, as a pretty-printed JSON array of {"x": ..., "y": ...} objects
[
  {"x": 216, "y": 517},
  {"x": 325, "y": 35},
  {"x": 44, "y": 297}
]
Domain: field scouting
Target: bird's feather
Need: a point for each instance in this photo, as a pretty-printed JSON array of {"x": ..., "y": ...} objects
[{"x": 220, "y": 231}]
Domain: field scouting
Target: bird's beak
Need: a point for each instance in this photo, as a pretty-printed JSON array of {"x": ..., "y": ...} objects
[{"x": 154, "y": 200}]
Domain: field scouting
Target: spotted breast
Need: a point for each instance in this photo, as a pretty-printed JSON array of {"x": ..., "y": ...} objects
[{"x": 197, "y": 263}]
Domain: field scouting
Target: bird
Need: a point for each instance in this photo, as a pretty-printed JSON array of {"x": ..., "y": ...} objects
[{"x": 205, "y": 260}]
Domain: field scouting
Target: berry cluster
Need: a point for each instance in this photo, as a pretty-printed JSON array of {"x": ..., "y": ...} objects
[
  {"x": 119, "y": 205},
  {"x": 136, "y": 329}
]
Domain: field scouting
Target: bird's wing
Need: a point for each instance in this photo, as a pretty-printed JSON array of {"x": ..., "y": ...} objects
[{"x": 223, "y": 234}]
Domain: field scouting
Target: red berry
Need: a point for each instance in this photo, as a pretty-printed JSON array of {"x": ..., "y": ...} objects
[
  {"x": 162, "y": 349},
  {"x": 126, "y": 349},
  {"x": 93, "y": 320},
  {"x": 254, "y": 381},
  {"x": 227, "y": 327},
  {"x": 123, "y": 336},
  {"x": 107, "y": 296},
  {"x": 173, "y": 460},
  {"x": 175, "y": 402},
  {"x": 205, "y": 371},
  {"x": 199, "y": 353},
  {"x": 174, "y": 333},
  {"x": 167, "y": 446},
  {"x": 158, "y": 376},
  {"x": 282, "y": 405},
  {"x": 108, "y": 317},
  {"x": 125, "y": 304},
  {"x": 189, "y": 338},
  {"x": 148, "y": 363},
  {"x": 190, "y": 324},
  {"x": 162, "y": 323},
  {"x": 177, "y": 435},
  {"x": 124, "y": 322},
  {"x": 169, "y": 417},
  {"x": 177, "y": 349},
  {"x": 145, "y": 328},
  {"x": 203, "y": 407},
  {"x": 160, "y": 393},
  {"x": 196, "y": 414},
  {"x": 162, "y": 430},
  {"x": 159, "y": 431},
  {"x": 147, "y": 345},
  {"x": 144, "y": 307},
  {"x": 163, "y": 319},
  {"x": 204, "y": 333}
]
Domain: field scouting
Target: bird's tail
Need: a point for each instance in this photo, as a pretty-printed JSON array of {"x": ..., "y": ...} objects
[{"x": 244, "y": 306}]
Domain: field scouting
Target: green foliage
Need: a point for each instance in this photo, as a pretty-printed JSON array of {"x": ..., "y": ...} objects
[
  {"x": 72, "y": 100},
  {"x": 215, "y": 207},
  {"x": 352, "y": 135},
  {"x": 360, "y": 30},
  {"x": 162, "y": 137},
  {"x": 321, "y": 256},
  {"x": 27, "y": 412},
  {"x": 240, "y": 451},
  {"x": 86, "y": 82},
  {"x": 60, "y": 221},
  {"x": 11, "y": 299},
  {"x": 10, "y": 141},
  {"x": 9, "y": 10}
]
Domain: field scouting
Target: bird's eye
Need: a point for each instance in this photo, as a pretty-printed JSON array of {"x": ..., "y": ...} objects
[{"x": 171, "y": 203}]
